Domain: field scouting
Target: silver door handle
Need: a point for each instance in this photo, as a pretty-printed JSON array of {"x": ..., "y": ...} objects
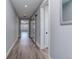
[{"x": 46, "y": 32}]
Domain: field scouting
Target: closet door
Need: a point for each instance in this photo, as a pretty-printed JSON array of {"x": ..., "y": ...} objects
[
  {"x": 46, "y": 26},
  {"x": 33, "y": 29}
]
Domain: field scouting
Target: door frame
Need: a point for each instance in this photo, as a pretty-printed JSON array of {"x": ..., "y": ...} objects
[
  {"x": 49, "y": 35},
  {"x": 35, "y": 26}
]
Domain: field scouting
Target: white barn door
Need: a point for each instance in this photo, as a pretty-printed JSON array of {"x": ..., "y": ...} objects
[{"x": 46, "y": 26}]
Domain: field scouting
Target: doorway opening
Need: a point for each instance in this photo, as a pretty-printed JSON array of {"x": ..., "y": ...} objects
[{"x": 24, "y": 28}]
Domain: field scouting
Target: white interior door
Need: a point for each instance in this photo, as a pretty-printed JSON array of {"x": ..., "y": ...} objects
[
  {"x": 33, "y": 29},
  {"x": 46, "y": 26}
]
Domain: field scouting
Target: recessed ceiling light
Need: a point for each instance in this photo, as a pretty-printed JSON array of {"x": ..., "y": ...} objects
[
  {"x": 24, "y": 14},
  {"x": 26, "y": 6}
]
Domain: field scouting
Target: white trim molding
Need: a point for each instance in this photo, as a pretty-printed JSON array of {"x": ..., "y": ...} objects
[
  {"x": 38, "y": 44},
  {"x": 49, "y": 57},
  {"x": 10, "y": 49}
]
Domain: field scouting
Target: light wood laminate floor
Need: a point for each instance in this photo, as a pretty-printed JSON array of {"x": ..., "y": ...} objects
[{"x": 26, "y": 49}]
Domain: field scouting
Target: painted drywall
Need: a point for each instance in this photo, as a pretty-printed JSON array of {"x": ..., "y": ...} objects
[
  {"x": 11, "y": 25},
  {"x": 61, "y": 35}
]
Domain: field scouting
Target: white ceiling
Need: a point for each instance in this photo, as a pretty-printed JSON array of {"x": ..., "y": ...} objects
[{"x": 19, "y": 6}]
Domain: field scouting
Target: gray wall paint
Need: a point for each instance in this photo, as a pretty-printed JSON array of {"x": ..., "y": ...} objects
[
  {"x": 61, "y": 36},
  {"x": 11, "y": 25}
]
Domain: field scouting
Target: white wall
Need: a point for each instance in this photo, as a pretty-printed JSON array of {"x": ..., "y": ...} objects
[
  {"x": 61, "y": 35},
  {"x": 11, "y": 25}
]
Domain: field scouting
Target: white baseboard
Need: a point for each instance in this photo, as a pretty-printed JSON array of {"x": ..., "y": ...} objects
[
  {"x": 38, "y": 44},
  {"x": 7, "y": 54},
  {"x": 50, "y": 57}
]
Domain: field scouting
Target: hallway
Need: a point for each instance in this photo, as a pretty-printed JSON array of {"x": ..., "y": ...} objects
[
  {"x": 38, "y": 29},
  {"x": 26, "y": 49}
]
